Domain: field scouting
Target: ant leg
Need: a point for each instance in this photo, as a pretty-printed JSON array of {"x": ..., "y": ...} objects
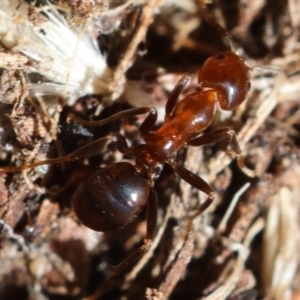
[
  {"x": 218, "y": 135},
  {"x": 205, "y": 14},
  {"x": 85, "y": 150},
  {"x": 197, "y": 182},
  {"x": 145, "y": 128},
  {"x": 151, "y": 231},
  {"x": 120, "y": 115},
  {"x": 152, "y": 208},
  {"x": 149, "y": 122},
  {"x": 175, "y": 94}
]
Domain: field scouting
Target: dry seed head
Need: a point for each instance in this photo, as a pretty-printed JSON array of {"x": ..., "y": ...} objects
[{"x": 69, "y": 61}]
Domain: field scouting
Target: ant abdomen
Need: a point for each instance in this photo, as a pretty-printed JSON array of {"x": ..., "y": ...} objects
[
  {"x": 111, "y": 198},
  {"x": 226, "y": 73}
]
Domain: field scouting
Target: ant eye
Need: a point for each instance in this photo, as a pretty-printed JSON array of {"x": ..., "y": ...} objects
[
  {"x": 220, "y": 56},
  {"x": 249, "y": 85}
]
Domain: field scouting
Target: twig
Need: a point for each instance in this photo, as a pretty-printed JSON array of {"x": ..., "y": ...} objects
[{"x": 179, "y": 266}]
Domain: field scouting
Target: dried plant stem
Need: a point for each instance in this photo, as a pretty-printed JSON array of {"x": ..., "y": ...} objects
[
  {"x": 179, "y": 266},
  {"x": 223, "y": 223}
]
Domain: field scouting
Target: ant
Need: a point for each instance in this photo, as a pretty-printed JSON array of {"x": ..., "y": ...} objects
[{"x": 112, "y": 197}]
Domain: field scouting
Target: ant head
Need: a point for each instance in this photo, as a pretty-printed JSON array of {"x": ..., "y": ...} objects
[{"x": 228, "y": 75}]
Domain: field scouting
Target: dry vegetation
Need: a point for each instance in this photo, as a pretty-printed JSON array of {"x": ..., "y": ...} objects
[{"x": 245, "y": 246}]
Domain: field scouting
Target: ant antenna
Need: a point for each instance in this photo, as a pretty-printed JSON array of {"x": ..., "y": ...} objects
[{"x": 206, "y": 15}]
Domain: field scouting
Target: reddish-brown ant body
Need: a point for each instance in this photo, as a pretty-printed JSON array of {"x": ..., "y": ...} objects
[{"x": 112, "y": 197}]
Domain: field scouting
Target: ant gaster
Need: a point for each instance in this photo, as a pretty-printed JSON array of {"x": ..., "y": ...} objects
[{"x": 113, "y": 196}]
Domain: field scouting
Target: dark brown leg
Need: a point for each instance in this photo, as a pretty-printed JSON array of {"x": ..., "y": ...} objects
[
  {"x": 149, "y": 122},
  {"x": 216, "y": 136},
  {"x": 175, "y": 94},
  {"x": 152, "y": 208},
  {"x": 198, "y": 183},
  {"x": 145, "y": 128},
  {"x": 151, "y": 231},
  {"x": 85, "y": 150},
  {"x": 97, "y": 145},
  {"x": 221, "y": 134},
  {"x": 118, "y": 116}
]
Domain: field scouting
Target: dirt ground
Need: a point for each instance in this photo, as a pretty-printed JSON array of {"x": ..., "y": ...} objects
[{"x": 94, "y": 58}]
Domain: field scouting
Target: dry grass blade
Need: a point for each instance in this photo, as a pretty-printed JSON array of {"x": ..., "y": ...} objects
[{"x": 281, "y": 239}]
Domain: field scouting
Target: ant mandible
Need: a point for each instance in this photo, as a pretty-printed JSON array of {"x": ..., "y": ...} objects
[{"x": 113, "y": 196}]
